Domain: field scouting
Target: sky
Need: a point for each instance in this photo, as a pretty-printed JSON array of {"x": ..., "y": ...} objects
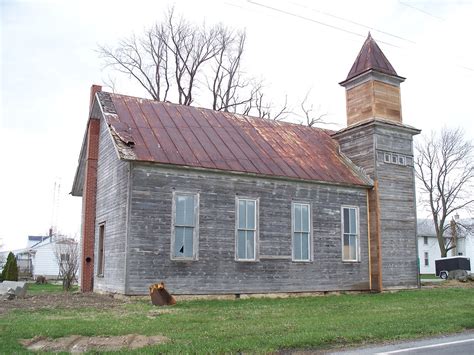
[{"x": 49, "y": 60}]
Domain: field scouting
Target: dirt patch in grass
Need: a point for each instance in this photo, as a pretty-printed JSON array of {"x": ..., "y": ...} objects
[
  {"x": 77, "y": 343},
  {"x": 449, "y": 284},
  {"x": 64, "y": 300}
]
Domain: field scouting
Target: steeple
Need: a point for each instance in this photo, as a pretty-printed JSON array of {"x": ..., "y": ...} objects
[{"x": 372, "y": 87}]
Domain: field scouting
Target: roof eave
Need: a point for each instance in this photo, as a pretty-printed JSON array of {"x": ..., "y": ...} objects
[{"x": 348, "y": 81}]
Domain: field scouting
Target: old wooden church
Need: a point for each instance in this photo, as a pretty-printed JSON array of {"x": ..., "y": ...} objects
[{"x": 218, "y": 203}]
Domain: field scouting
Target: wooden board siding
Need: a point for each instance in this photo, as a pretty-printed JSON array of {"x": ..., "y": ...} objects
[
  {"x": 396, "y": 195},
  {"x": 373, "y": 99},
  {"x": 359, "y": 103},
  {"x": 397, "y": 209},
  {"x": 112, "y": 192},
  {"x": 216, "y": 270}
]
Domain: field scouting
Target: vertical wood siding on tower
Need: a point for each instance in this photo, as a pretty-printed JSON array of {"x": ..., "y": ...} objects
[
  {"x": 112, "y": 192},
  {"x": 216, "y": 270},
  {"x": 366, "y": 146},
  {"x": 397, "y": 209}
]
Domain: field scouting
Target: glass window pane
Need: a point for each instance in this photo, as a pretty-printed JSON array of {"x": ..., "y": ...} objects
[
  {"x": 297, "y": 246},
  {"x": 346, "y": 220},
  {"x": 242, "y": 214},
  {"x": 241, "y": 244},
  {"x": 250, "y": 214},
  {"x": 180, "y": 209},
  {"x": 352, "y": 214},
  {"x": 188, "y": 241},
  {"x": 179, "y": 241},
  {"x": 297, "y": 217},
  {"x": 305, "y": 218},
  {"x": 304, "y": 246},
  {"x": 353, "y": 247},
  {"x": 250, "y": 244},
  {"x": 189, "y": 212},
  {"x": 345, "y": 249}
]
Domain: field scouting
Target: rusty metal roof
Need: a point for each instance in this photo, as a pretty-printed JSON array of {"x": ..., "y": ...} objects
[
  {"x": 371, "y": 57},
  {"x": 152, "y": 131}
]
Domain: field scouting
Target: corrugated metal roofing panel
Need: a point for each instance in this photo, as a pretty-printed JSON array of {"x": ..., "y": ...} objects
[{"x": 195, "y": 137}]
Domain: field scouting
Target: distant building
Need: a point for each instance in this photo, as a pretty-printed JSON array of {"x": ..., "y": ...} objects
[
  {"x": 428, "y": 247},
  {"x": 39, "y": 258}
]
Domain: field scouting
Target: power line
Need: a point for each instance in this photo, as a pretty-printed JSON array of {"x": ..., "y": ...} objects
[
  {"x": 353, "y": 22},
  {"x": 420, "y": 10},
  {"x": 314, "y": 21}
]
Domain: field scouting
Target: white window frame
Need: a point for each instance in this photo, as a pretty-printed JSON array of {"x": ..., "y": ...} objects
[
  {"x": 196, "y": 226},
  {"x": 425, "y": 240},
  {"x": 387, "y": 157},
  {"x": 426, "y": 259},
  {"x": 357, "y": 259},
  {"x": 310, "y": 231},
  {"x": 256, "y": 230}
]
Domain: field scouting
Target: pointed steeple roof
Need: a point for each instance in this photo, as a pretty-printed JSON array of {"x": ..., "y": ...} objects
[{"x": 370, "y": 57}]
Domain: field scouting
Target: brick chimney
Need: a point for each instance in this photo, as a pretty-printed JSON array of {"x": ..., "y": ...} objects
[
  {"x": 89, "y": 197},
  {"x": 372, "y": 87}
]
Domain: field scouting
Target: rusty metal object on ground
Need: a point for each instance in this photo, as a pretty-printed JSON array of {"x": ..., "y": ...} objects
[{"x": 160, "y": 296}]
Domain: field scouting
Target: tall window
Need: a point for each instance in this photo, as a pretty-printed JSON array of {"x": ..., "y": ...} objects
[
  {"x": 185, "y": 222},
  {"x": 427, "y": 259},
  {"x": 425, "y": 240},
  {"x": 101, "y": 261},
  {"x": 301, "y": 231},
  {"x": 350, "y": 235},
  {"x": 246, "y": 229}
]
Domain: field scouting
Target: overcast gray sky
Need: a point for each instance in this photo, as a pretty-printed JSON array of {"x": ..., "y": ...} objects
[{"x": 48, "y": 63}]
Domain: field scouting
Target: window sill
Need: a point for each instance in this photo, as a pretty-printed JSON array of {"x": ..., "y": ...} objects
[
  {"x": 184, "y": 259},
  {"x": 247, "y": 260},
  {"x": 351, "y": 261},
  {"x": 101, "y": 276},
  {"x": 302, "y": 261}
]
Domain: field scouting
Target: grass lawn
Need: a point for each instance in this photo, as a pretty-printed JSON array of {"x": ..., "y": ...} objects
[
  {"x": 428, "y": 276},
  {"x": 34, "y": 289},
  {"x": 256, "y": 325}
]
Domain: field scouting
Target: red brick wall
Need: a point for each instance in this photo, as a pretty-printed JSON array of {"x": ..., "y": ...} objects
[
  {"x": 89, "y": 198},
  {"x": 88, "y": 206}
]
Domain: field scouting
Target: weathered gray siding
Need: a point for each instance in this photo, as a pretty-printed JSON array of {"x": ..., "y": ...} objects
[
  {"x": 365, "y": 146},
  {"x": 111, "y": 209},
  {"x": 397, "y": 208},
  {"x": 216, "y": 270}
]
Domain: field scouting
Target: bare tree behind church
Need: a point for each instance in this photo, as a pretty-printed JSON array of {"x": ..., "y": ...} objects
[
  {"x": 67, "y": 256},
  {"x": 177, "y": 61},
  {"x": 445, "y": 168}
]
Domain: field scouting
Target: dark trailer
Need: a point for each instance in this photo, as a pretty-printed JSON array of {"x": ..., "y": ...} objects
[{"x": 445, "y": 265}]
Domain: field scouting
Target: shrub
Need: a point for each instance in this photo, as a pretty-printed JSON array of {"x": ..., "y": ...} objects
[{"x": 10, "y": 270}]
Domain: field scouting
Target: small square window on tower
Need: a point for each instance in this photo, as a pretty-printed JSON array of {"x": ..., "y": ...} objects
[
  {"x": 401, "y": 160},
  {"x": 394, "y": 158},
  {"x": 386, "y": 157}
]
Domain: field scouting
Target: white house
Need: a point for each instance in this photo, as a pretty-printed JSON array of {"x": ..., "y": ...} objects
[
  {"x": 428, "y": 248},
  {"x": 45, "y": 254}
]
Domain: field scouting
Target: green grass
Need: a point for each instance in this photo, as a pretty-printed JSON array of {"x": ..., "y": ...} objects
[
  {"x": 35, "y": 289},
  {"x": 258, "y": 325},
  {"x": 428, "y": 276}
]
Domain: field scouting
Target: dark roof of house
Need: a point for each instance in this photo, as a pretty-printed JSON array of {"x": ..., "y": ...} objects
[
  {"x": 36, "y": 238},
  {"x": 371, "y": 57},
  {"x": 153, "y": 131}
]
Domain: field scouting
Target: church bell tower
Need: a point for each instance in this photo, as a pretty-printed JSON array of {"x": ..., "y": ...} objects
[{"x": 377, "y": 140}]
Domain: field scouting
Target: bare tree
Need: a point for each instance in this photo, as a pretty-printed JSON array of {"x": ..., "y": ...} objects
[
  {"x": 445, "y": 169},
  {"x": 173, "y": 57},
  {"x": 67, "y": 256},
  {"x": 310, "y": 115}
]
